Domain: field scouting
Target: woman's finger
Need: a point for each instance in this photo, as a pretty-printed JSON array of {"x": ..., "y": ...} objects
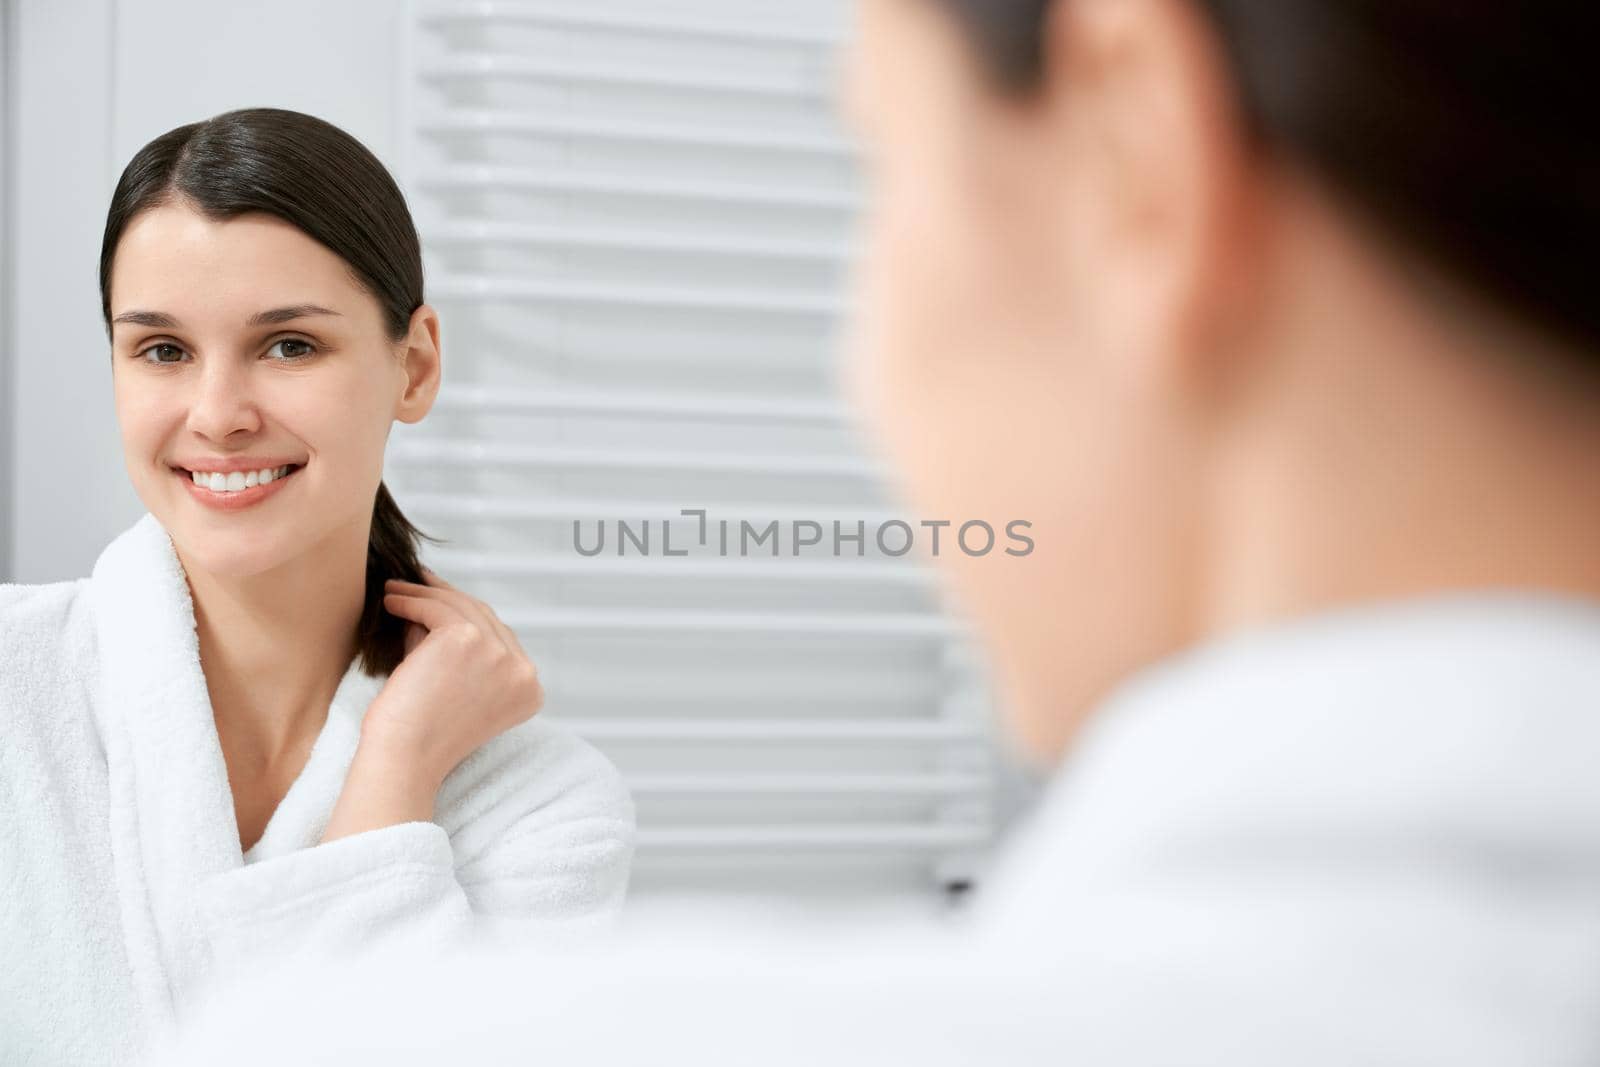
[
  {"x": 506, "y": 634},
  {"x": 433, "y": 613},
  {"x": 444, "y": 591},
  {"x": 470, "y": 606},
  {"x": 415, "y": 632},
  {"x": 427, "y": 611}
]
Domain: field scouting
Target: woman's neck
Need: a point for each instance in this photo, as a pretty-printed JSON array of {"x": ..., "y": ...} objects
[
  {"x": 1394, "y": 453},
  {"x": 275, "y": 645}
]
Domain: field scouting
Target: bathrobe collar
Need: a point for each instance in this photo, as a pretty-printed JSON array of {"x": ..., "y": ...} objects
[{"x": 172, "y": 813}]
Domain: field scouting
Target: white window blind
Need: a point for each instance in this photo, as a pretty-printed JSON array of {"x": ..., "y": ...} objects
[{"x": 637, "y": 225}]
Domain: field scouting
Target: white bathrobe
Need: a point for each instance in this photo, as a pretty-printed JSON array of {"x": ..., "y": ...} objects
[
  {"x": 124, "y": 896},
  {"x": 1367, "y": 837}
]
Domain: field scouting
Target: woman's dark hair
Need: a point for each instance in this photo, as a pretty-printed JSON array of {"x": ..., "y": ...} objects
[
  {"x": 1464, "y": 127},
  {"x": 321, "y": 180}
]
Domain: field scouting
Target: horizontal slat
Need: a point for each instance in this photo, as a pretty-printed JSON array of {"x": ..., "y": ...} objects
[
  {"x": 574, "y": 680},
  {"x": 483, "y": 287},
  {"x": 655, "y": 132},
  {"x": 666, "y": 403},
  {"x": 535, "y": 508},
  {"x": 778, "y": 83},
  {"x": 507, "y": 565},
  {"x": 903, "y": 625},
  {"x": 457, "y": 452},
  {"x": 751, "y": 27},
  {"x": 481, "y": 232},
  {"x": 799, "y": 731},
  {"x": 470, "y": 176},
  {"x": 799, "y": 784},
  {"x": 911, "y": 836}
]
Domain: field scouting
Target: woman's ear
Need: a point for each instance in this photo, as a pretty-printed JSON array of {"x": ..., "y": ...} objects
[
  {"x": 421, "y": 361},
  {"x": 1155, "y": 146}
]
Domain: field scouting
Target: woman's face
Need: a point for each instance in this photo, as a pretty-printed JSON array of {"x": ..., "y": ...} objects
[
  {"x": 211, "y": 372},
  {"x": 1015, "y": 350}
]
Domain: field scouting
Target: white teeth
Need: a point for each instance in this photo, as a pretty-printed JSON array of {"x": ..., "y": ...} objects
[{"x": 237, "y": 481}]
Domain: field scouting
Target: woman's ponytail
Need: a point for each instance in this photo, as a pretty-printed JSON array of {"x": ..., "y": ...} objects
[{"x": 391, "y": 553}]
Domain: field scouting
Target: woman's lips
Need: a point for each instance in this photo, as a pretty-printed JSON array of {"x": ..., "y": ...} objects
[{"x": 226, "y": 501}]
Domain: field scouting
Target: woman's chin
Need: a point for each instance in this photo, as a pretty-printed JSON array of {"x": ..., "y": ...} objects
[{"x": 234, "y": 554}]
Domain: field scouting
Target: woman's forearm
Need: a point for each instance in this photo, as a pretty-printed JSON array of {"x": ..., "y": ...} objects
[{"x": 383, "y": 788}]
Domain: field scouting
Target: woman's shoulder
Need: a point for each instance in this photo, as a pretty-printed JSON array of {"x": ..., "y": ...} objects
[
  {"x": 43, "y": 600},
  {"x": 539, "y": 773},
  {"x": 44, "y": 624},
  {"x": 48, "y": 651},
  {"x": 541, "y": 826}
]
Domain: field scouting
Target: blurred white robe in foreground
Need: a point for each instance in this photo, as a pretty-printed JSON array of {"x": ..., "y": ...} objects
[{"x": 1371, "y": 835}]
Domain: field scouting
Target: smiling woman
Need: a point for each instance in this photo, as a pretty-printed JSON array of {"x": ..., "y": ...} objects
[{"x": 261, "y": 727}]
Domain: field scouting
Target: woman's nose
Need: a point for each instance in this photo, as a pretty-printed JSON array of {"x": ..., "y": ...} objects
[{"x": 223, "y": 400}]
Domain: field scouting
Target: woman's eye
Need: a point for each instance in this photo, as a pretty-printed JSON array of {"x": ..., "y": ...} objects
[
  {"x": 158, "y": 348},
  {"x": 303, "y": 349},
  {"x": 293, "y": 348}
]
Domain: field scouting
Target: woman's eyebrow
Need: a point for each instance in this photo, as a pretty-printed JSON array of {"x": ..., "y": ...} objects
[{"x": 161, "y": 320}]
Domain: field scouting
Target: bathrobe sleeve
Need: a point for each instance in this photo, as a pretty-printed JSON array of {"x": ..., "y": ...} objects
[{"x": 535, "y": 828}]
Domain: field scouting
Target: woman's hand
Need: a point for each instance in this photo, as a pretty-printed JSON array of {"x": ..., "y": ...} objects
[{"x": 464, "y": 680}]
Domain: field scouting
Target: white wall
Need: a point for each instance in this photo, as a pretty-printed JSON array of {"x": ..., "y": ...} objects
[
  {"x": 8, "y": 98},
  {"x": 94, "y": 81}
]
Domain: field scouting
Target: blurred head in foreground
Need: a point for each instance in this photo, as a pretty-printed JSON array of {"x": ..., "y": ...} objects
[{"x": 1250, "y": 307}]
